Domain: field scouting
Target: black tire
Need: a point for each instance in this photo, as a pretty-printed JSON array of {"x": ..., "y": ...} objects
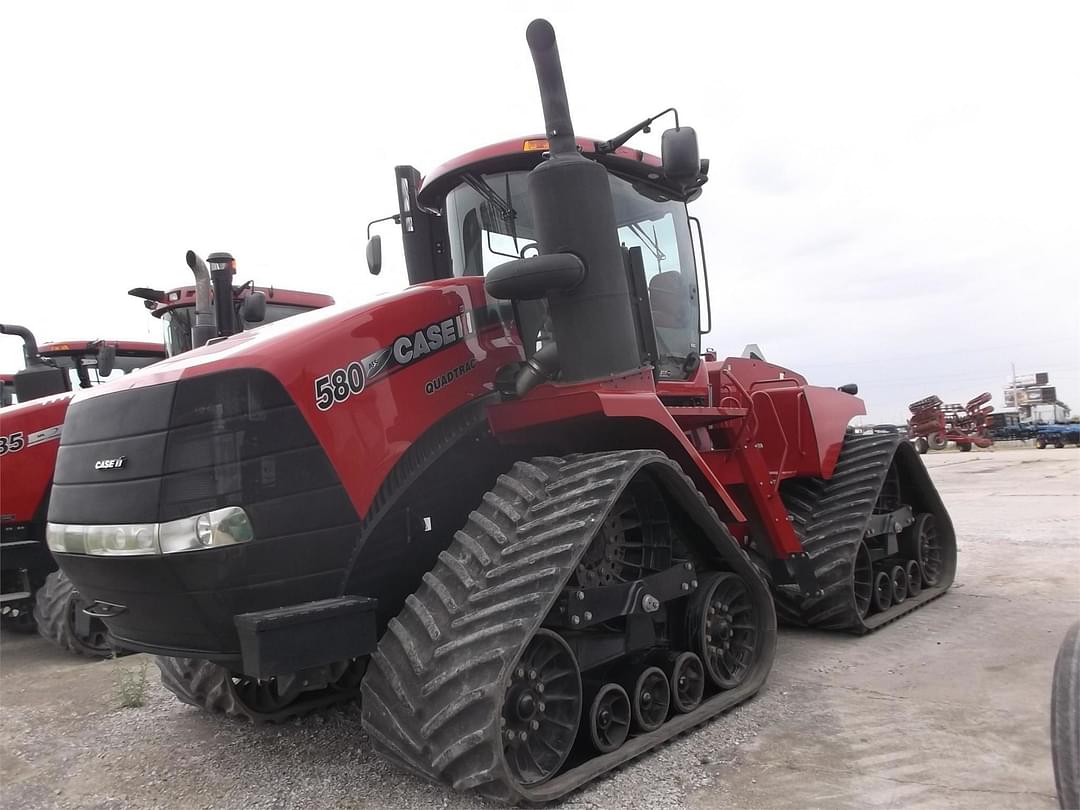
[
  {"x": 1059, "y": 444},
  {"x": 937, "y": 441},
  {"x": 202, "y": 684},
  {"x": 1065, "y": 720},
  {"x": 963, "y": 447},
  {"x": 56, "y": 606},
  {"x": 922, "y": 445},
  {"x": 1040, "y": 443}
]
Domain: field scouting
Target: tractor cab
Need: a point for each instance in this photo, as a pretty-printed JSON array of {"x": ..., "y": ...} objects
[
  {"x": 176, "y": 310},
  {"x": 89, "y": 362},
  {"x": 473, "y": 214}
]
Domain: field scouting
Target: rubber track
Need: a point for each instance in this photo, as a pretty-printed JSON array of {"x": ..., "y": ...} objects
[
  {"x": 830, "y": 519},
  {"x": 207, "y": 686},
  {"x": 432, "y": 695},
  {"x": 52, "y": 605}
]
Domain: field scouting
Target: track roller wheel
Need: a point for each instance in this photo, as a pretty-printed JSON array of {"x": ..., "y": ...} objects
[
  {"x": 882, "y": 591},
  {"x": 898, "y": 578},
  {"x": 541, "y": 709},
  {"x": 914, "y": 578},
  {"x": 722, "y": 628},
  {"x": 927, "y": 549},
  {"x": 609, "y": 718},
  {"x": 650, "y": 699},
  {"x": 862, "y": 580},
  {"x": 686, "y": 674}
]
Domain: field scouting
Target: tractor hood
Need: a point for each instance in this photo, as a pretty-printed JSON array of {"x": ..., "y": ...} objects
[{"x": 365, "y": 381}]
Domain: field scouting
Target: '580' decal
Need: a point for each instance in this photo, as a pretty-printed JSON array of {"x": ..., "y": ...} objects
[
  {"x": 342, "y": 383},
  {"x": 338, "y": 385}
]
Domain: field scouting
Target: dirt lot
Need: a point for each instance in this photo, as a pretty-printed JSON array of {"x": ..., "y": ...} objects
[{"x": 947, "y": 708}]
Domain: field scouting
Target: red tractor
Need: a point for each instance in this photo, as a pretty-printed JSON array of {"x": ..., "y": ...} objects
[
  {"x": 933, "y": 424},
  {"x": 29, "y": 434},
  {"x": 32, "y": 592},
  {"x": 513, "y": 505}
]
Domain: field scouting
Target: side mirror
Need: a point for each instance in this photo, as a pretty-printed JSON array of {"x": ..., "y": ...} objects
[
  {"x": 679, "y": 153},
  {"x": 106, "y": 360},
  {"x": 254, "y": 310},
  {"x": 374, "y": 254}
]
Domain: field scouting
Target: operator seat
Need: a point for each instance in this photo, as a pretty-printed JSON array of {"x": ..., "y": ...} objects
[{"x": 669, "y": 300}]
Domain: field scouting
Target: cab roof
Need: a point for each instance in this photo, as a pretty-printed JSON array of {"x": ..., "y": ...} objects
[
  {"x": 93, "y": 346},
  {"x": 159, "y": 302},
  {"x": 526, "y": 152}
]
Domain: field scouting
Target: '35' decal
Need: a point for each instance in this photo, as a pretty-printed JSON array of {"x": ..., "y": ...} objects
[
  {"x": 12, "y": 444},
  {"x": 338, "y": 385}
]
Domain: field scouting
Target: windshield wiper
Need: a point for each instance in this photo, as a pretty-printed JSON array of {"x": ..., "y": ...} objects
[
  {"x": 491, "y": 196},
  {"x": 652, "y": 243}
]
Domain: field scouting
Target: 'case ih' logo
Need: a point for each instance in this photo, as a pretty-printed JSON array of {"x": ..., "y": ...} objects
[{"x": 110, "y": 463}]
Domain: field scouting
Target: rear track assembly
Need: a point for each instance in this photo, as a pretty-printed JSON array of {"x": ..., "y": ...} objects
[{"x": 840, "y": 523}]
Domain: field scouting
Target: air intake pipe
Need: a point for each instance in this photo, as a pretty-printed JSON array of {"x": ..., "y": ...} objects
[
  {"x": 222, "y": 270},
  {"x": 31, "y": 355},
  {"x": 204, "y": 328},
  {"x": 580, "y": 270}
]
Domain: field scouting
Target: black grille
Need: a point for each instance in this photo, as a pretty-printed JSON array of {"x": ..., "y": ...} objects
[{"x": 233, "y": 438}]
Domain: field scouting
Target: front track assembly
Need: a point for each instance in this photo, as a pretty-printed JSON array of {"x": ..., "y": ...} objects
[
  {"x": 592, "y": 608},
  {"x": 877, "y": 534}
]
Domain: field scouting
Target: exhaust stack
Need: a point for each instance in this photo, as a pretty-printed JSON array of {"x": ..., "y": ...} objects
[
  {"x": 204, "y": 327},
  {"x": 580, "y": 268},
  {"x": 31, "y": 355},
  {"x": 39, "y": 378}
]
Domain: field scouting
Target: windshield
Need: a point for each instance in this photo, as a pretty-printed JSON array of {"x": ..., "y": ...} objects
[
  {"x": 176, "y": 324},
  {"x": 490, "y": 223}
]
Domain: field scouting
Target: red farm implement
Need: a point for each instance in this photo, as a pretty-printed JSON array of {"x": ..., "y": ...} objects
[{"x": 933, "y": 424}]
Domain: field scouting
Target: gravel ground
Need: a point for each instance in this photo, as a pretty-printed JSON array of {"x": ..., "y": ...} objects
[{"x": 947, "y": 708}]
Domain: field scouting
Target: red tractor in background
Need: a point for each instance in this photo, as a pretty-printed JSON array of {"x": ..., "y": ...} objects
[
  {"x": 33, "y": 593},
  {"x": 514, "y": 504},
  {"x": 29, "y": 434},
  {"x": 934, "y": 424}
]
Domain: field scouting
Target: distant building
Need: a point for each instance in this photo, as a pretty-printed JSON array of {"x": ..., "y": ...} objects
[{"x": 1035, "y": 399}]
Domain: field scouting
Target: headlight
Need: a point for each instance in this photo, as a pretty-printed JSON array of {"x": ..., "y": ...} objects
[{"x": 222, "y": 527}]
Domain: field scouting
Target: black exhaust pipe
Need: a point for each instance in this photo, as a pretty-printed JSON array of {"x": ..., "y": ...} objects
[
  {"x": 31, "y": 355},
  {"x": 571, "y": 202}
]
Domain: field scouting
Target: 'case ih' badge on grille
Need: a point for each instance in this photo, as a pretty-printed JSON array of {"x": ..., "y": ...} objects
[{"x": 110, "y": 463}]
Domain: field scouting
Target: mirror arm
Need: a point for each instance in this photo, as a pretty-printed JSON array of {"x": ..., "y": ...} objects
[
  {"x": 395, "y": 217},
  {"x": 606, "y": 147}
]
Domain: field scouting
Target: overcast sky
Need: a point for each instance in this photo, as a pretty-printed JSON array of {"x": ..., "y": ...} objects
[{"x": 893, "y": 197}]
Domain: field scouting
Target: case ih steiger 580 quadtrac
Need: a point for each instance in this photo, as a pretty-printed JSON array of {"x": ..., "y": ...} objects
[
  {"x": 32, "y": 592},
  {"x": 512, "y": 505}
]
